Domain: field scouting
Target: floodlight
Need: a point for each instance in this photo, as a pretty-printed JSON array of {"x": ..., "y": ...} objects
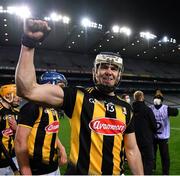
[
  {"x": 99, "y": 26},
  {"x": 55, "y": 17},
  {"x": 22, "y": 11},
  {"x": 165, "y": 39},
  {"x": 172, "y": 40},
  {"x": 47, "y": 18},
  {"x": 1, "y": 9},
  {"x": 65, "y": 19},
  {"x": 115, "y": 28},
  {"x": 93, "y": 25},
  {"x": 125, "y": 30},
  {"x": 147, "y": 35},
  {"x": 11, "y": 9},
  {"x": 86, "y": 22}
]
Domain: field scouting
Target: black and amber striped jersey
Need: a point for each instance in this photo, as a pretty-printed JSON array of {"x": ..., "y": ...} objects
[
  {"x": 98, "y": 123},
  {"x": 6, "y": 133},
  {"x": 42, "y": 146}
]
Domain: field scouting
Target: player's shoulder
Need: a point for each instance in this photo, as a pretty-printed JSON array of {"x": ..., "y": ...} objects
[
  {"x": 29, "y": 105},
  {"x": 89, "y": 89},
  {"x": 122, "y": 102}
]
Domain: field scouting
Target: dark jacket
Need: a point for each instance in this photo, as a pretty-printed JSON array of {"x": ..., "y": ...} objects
[{"x": 145, "y": 124}]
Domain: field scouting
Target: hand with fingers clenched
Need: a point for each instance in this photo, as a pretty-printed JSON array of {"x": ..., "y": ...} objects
[
  {"x": 12, "y": 123},
  {"x": 35, "y": 31}
]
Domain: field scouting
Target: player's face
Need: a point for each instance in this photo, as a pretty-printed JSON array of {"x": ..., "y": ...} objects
[
  {"x": 16, "y": 101},
  {"x": 107, "y": 74}
]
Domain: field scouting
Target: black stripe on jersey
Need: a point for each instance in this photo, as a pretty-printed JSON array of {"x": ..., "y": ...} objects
[
  {"x": 53, "y": 141},
  {"x": 40, "y": 135},
  {"x": 107, "y": 160},
  {"x": 52, "y": 152},
  {"x": 10, "y": 145},
  {"x": 3, "y": 123},
  {"x": 122, "y": 158},
  {"x": 85, "y": 138}
]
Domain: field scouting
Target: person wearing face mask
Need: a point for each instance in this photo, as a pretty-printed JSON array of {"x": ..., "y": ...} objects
[
  {"x": 162, "y": 113},
  {"x": 126, "y": 98}
]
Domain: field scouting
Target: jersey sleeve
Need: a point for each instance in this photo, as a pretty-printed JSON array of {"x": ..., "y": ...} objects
[
  {"x": 28, "y": 114},
  {"x": 130, "y": 121},
  {"x": 69, "y": 100},
  {"x": 130, "y": 127}
]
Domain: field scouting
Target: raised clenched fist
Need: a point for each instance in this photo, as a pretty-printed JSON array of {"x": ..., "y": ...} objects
[{"x": 36, "y": 29}]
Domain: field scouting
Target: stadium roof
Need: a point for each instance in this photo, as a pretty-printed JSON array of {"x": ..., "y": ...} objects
[{"x": 158, "y": 17}]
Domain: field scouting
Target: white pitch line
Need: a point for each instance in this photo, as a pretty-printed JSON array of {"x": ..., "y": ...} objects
[{"x": 175, "y": 128}]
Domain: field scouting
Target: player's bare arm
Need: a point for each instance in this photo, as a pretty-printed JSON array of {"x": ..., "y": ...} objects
[
  {"x": 34, "y": 31},
  {"x": 133, "y": 154}
]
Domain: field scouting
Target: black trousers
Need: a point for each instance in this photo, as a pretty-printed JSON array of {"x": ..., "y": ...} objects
[
  {"x": 147, "y": 154},
  {"x": 164, "y": 154}
]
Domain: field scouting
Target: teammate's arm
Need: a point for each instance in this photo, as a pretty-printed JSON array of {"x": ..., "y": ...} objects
[
  {"x": 133, "y": 154},
  {"x": 61, "y": 153},
  {"x": 25, "y": 76},
  {"x": 21, "y": 149}
]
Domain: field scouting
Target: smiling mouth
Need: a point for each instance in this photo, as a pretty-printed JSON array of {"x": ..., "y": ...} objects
[{"x": 107, "y": 80}]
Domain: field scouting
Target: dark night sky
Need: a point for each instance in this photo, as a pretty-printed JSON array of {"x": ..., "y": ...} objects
[{"x": 159, "y": 16}]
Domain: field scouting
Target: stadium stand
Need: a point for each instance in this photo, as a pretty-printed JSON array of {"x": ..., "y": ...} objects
[{"x": 140, "y": 74}]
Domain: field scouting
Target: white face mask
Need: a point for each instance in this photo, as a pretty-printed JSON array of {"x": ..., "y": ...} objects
[{"x": 157, "y": 101}]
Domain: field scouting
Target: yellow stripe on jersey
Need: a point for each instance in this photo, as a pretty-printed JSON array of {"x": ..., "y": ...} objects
[
  {"x": 90, "y": 89},
  {"x": 118, "y": 142},
  {"x": 57, "y": 116},
  {"x": 75, "y": 128},
  {"x": 47, "y": 139},
  {"x": 97, "y": 144},
  {"x": 32, "y": 136}
]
